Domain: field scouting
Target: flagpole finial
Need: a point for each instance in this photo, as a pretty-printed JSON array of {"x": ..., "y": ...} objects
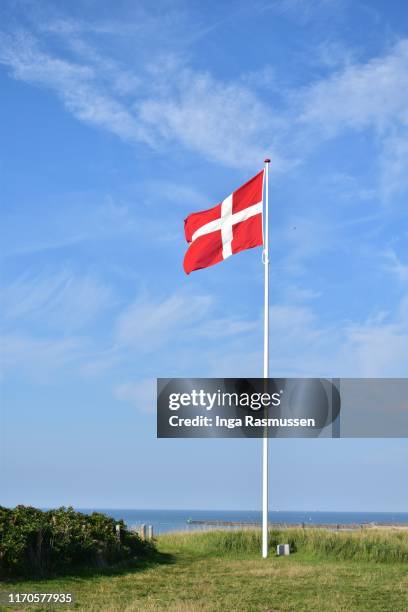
[{"x": 267, "y": 160}]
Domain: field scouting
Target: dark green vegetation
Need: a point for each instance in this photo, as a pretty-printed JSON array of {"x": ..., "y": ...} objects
[
  {"x": 37, "y": 543},
  {"x": 223, "y": 571}
]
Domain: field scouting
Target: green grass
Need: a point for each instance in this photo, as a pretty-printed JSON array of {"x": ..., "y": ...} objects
[
  {"x": 222, "y": 571},
  {"x": 367, "y": 545}
]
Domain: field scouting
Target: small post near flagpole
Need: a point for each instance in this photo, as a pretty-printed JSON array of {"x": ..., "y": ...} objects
[{"x": 266, "y": 363}]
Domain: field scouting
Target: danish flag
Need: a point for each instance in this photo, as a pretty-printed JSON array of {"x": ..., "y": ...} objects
[{"x": 226, "y": 229}]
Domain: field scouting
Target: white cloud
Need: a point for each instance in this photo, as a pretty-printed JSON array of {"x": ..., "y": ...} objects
[
  {"x": 166, "y": 102},
  {"x": 71, "y": 26},
  {"x": 223, "y": 327},
  {"x": 302, "y": 346},
  {"x": 80, "y": 217},
  {"x": 179, "y": 318},
  {"x": 229, "y": 123},
  {"x": 42, "y": 315},
  {"x": 299, "y": 10},
  {"x": 78, "y": 85},
  {"x": 373, "y": 94},
  {"x": 334, "y": 54},
  {"x": 147, "y": 323},
  {"x": 62, "y": 300},
  {"x": 263, "y": 78},
  {"x": 364, "y": 96},
  {"x": 298, "y": 344},
  {"x": 161, "y": 104},
  {"x": 379, "y": 348},
  {"x": 295, "y": 294},
  {"x": 224, "y": 121},
  {"x": 40, "y": 359},
  {"x": 395, "y": 266}
]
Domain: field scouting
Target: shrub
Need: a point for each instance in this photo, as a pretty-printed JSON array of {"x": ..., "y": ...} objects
[{"x": 36, "y": 542}]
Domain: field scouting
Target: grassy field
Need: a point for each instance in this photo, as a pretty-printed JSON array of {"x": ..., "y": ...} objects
[{"x": 222, "y": 570}]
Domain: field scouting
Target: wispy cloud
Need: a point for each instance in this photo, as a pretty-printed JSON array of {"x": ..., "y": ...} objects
[
  {"x": 161, "y": 101},
  {"x": 304, "y": 346},
  {"x": 166, "y": 102},
  {"x": 84, "y": 217},
  {"x": 365, "y": 96},
  {"x": 48, "y": 319},
  {"x": 299, "y": 342},
  {"x": 300, "y": 10},
  {"x": 169, "y": 103},
  {"x": 42, "y": 360},
  {"x": 61, "y": 300},
  {"x": 226, "y": 122},
  {"x": 148, "y": 323},
  {"x": 372, "y": 94},
  {"x": 78, "y": 85},
  {"x": 379, "y": 347},
  {"x": 394, "y": 265}
]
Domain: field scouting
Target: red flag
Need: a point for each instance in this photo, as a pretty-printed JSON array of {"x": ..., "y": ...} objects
[{"x": 230, "y": 227}]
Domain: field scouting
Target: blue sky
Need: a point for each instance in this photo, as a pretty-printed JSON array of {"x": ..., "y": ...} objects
[{"x": 118, "y": 120}]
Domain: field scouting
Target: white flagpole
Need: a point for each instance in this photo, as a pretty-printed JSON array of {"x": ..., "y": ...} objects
[{"x": 266, "y": 363}]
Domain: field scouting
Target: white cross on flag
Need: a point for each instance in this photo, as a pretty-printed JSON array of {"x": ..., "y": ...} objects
[{"x": 226, "y": 229}]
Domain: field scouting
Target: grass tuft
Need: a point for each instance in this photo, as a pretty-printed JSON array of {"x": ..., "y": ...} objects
[{"x": 366, "y": 545}]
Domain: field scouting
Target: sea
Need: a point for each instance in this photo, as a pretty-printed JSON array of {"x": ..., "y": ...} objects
[{"x": 164, "y": 521}]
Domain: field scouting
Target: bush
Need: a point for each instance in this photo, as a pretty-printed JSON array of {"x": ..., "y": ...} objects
[{"x": 36, "y": 542}]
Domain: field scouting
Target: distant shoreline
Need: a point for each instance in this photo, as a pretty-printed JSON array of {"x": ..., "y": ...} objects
[
  {"x": 303, "y": 525},
  {"x": 164, "y": 521}
]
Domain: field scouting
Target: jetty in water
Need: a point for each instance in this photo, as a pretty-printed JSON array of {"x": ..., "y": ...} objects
[
  {"x": 223, "y": 523},
  {"x": 329, "y": 526}
]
